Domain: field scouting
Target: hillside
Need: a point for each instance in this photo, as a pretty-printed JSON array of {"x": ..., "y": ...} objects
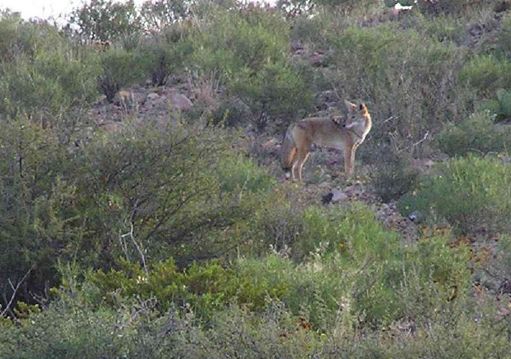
[{"x": 145, "y": 213}]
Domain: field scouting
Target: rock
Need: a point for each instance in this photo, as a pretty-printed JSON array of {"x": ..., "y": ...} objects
[
  {"x": 180, "y": 102},
  {"x": 338, "y": 196},
  {"x": 153, "y": 96}
]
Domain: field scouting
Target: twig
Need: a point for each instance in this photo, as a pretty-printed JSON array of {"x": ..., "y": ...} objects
[
  {"x": 15, "y": 291},
  {"x": 391, "y": 118},
  {"x": 423, "y": 139},
  {"x": 131, "y": 235}
]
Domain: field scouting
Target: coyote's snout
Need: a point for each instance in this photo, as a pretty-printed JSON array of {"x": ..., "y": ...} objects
[{"x": 343, "y": 133}]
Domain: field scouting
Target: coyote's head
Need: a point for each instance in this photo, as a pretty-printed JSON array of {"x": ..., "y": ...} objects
[{"x": 354, "y": 115}]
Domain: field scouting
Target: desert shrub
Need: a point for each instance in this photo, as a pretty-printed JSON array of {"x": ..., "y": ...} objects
[
  {"x": 230, "y": 42},
  {"x": 504, "y": 37},
  {"x": 240, "y": 174},
  {"x": 444, "y": 28},
  {"x": 231, "y": 112},
  {"x": 500, "y": 106},
  {"x": 477, "y": 134},
  {"x": 119, "y": 68},
  {"x": 275, "y": 91},
  {"x": 367, "y": 269},
  {"x": 48, "y": 86},
  {"x": 160, "y": 14},
  {"x": 135, "y": 331},
  {"x": 38, "y": 214},
  {"x": 64, "y": 332},
  {"x": 470, "y": 193},
  {"x": 443, "y": 7},
  {"x": 431, "y": 69},
  {"x": 42, "y": 74},
  {"x": 487, "y": 74},
  {"x": 162, "y": 59},
  {"x": 181, "y": 203},
  {"x": 394, "y": 176},
  {"x": 105, "y": 20},
  {"x": 248, "y": 52},
  {"x": 347, "y": 5},
  {"x": 146, "y": 193}
]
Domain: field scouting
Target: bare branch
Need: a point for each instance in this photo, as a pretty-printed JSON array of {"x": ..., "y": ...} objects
[{"x": 15, "y": 291}]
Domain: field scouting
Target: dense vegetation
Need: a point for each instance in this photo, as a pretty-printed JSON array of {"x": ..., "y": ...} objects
[{"x": 174, "y": 237}]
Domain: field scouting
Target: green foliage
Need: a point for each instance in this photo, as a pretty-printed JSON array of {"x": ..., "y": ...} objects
[
  {"x": 151, "y": 190},
  {"x": 369, "y": 63},
  {"x": 276, "y": 91},
  {"x": 470, "y": 193},
  {"x": 119, "y": 68},
  {"x": 239, "y": 174},
  {"x": 163, "y": 59},
  {"x": 105, "y": 20},
  {"x": 68, "y": 333},
  {"x": 163, "y": 13},
  {"x": 348, "y": 5},
  {"x": 443, "y": 7},
  {"x": 504, "y": 36},
  {"x": 38, "y": 212},
  {"x": 41, "y": 73},
  {"x": 365, "y": 268},
  {"x": 500, "y": 107},
  {"x": 230, "y": 43},
  {"x": 487, "y": 74},
  {"x": 477, "y": 134},
  {"x": 394, "y": 176},
  {"x": 248, "y": 51},
  {"x": 74, "y": 332}
]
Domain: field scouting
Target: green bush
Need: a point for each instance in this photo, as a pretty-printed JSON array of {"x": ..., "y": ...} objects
[
  {"x": 163, "y": 59},
  {"x": 470, "y": 193},
  {"x": 164, "y": 13},
  {"x": 239, "y": 174},
  {"x": 477, "y": 134},
  {"x": 499, "y": 107},
  {"x": 120, "y": 68},
  {"x": 39, "y": 215},
  {"x": 367, "y": 269},
  {"x": 144, "y": 193},
  {"x": 41, "y": 73},
  {"x": 394, "y": 176},
  {"x": 230, "y": 43},
  {"x": 504, "y": 36},
  {"x": 443, "y": 7},
  {"x": 248, "y": 53},
  {"x": 105, "y": 20},
  {"x": 369, "y": 63},
  {"x": 135, "y": 331},
  {"x": 487, "y": 74},
  {"x": 277, "y": 91}
]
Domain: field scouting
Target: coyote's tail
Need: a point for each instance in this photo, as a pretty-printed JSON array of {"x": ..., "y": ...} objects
[{"x": 288, "y": 151}]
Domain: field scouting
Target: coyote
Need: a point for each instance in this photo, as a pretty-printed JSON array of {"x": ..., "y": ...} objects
[{"x": 337, "y": 132}]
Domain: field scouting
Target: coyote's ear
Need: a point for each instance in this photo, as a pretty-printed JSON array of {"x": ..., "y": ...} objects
[
  {"x": 350, "y": 106},
  {"x": 363, "y": 108}
]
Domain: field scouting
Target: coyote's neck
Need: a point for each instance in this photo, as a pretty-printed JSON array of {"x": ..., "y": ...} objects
[{"x": 362, "y": 128}]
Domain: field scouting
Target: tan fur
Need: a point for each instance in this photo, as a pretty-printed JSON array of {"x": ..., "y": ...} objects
[{"x": 325, "y": 132}]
